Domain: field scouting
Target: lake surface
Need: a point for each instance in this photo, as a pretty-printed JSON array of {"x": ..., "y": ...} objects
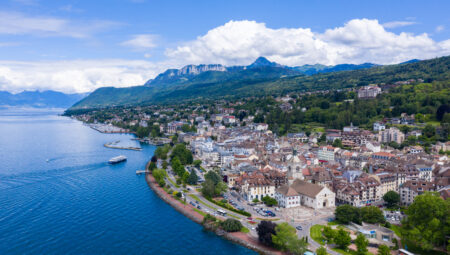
[{"x": 59, "y": 196}]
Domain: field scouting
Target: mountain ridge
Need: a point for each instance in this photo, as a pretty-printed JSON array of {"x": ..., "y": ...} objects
[
  {"x": 263, "y": 80},
  {"x": 40, "y": 99}
]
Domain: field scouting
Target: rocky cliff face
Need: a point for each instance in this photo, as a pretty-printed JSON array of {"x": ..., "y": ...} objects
[{"x": 194, "y": 70}]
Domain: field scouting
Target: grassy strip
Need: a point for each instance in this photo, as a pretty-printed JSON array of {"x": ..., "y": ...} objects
[
  {"x": 275, "y": 219},
  {"x": 316, "y": 233},
  {"x": 200, "y": 212},
  {"x": 173, "y": 183},
  {"x": 229, "y": 207},
  {"x": 245, "y": 230},
  {"x": 201, "y": 202},
  {"x": 236, "y": 217}
]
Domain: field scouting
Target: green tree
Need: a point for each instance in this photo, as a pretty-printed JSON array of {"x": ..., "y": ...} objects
[
  {"x": 286, "y": 239},
  {"x": 392, "y": 198},
  {"x": 197, "y": 163},
  {"x": 177, "y": 167},
  {"x": 337, "y": 143},
  {"x": 220, "y": 188},
  {"x": 322, "y": 138},
  {"x": 429, "y": 131},
  {"x": 321, "y": 251},
  {"x": 231, "y": 225},
  {"x": 427, "y": 223},
  {"x": 361, "y": 244},
  {"x": 159, "y": 174},
  {"x": 347, "y": 213},
  {"x": 383, "y": 250},
  {"x": 269, "y": 201},
  {"x": 142, "y": 132},
  {"x": 265, "y": 230},
  {"x": 208, "y": 188},
  {"x": 328, "y": 233},
  {"x": 193, "y": 178},
  {"x": 372, "y": 214},
  {"x": 213, "y": 176},
  {"x": 152, "y": 166},
  {"x": 182, "y": 153},
  {"x": 342, "y": 239}
]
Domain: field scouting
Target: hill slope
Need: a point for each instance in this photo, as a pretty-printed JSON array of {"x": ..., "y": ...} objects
[
  {"x": 44, "y": 99},
  {"x": 263, "y": 80}
]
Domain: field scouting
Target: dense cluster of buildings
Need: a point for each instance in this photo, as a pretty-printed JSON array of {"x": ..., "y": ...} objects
[{"x": 297, "y": 171}]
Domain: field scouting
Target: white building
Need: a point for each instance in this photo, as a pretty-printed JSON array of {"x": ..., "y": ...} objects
[
  {"x": 378, "y": 126},
  {"x": 326, "y": 153},
  {"x": 306, "y": 194},
  {"x": 391, "y": 135}
]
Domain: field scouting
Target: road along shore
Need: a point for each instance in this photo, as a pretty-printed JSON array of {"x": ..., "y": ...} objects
[{"x": 188, "y": 210}]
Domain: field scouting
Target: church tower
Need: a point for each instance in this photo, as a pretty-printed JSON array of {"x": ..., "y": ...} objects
[{"x": 294, "y": 165}]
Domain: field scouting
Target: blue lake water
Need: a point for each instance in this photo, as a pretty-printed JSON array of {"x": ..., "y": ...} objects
[{"x": 59, "y": 196}]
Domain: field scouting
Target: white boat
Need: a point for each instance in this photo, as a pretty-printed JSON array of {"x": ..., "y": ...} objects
[{"x": 117, "y": 159}]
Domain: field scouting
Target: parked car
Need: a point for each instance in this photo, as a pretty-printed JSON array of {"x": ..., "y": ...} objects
[
  {"x": 299, "y": 228},
  {"x": 199, "y": 207}
]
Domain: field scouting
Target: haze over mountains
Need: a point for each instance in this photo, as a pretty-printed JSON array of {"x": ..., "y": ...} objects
[
  {"x": 37, "y": 99},
  {"x": 209, "y": 82}
]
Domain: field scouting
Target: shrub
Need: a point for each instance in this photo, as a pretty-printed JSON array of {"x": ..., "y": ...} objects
[{"x": 231, "y": 225}]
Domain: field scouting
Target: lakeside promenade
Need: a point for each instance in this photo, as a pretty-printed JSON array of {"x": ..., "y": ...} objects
[{"x": 188, "y": 210}]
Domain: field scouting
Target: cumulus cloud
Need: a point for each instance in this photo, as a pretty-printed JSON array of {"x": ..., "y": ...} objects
[
  {"x": 395, "y": 24},
  {"x": 357, "y": 41},
  {"x": 234, "y": 43},
  {"x": 75, "y": 76},
  {"x": 16, "y": 23},
  {"x": 141, "y": 42}
]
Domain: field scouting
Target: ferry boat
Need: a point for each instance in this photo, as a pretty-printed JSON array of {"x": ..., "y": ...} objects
[{"x": 117, "y": 159}]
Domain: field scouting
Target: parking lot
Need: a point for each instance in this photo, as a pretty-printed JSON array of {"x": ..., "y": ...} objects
[{"x": 394, "y": 217}]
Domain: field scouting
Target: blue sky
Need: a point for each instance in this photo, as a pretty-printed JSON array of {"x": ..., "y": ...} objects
[{"x": 77, "y": 46}]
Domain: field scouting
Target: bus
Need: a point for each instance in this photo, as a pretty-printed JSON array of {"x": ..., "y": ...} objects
[{"x": 221, "y": 212}]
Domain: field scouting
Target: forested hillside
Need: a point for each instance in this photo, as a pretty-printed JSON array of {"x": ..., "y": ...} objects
[{"x": 263, "y": 81}]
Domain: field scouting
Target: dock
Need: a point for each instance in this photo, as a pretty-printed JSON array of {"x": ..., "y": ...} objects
[{"x": 138, "y": 172}]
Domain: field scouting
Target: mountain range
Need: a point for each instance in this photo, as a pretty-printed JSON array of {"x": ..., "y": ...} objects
[
  {"x": 263, "y": 77},
  {"x": 37, "y": 99}
]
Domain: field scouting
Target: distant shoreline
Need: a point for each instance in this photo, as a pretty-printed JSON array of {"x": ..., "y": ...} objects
[{"x": 188, "y": 211}]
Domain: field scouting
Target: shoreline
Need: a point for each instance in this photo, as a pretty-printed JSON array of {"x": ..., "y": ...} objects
[{"x": 188, "y": 211}]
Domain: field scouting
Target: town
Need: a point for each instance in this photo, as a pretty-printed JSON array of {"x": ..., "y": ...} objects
[{"x": 309, "y": 178}]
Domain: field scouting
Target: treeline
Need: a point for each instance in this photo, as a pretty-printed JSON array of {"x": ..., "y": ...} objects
[{"x": 335, "y": 110}]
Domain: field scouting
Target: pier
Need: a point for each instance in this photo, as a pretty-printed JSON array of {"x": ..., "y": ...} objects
[{"x": 139, "y": 172}]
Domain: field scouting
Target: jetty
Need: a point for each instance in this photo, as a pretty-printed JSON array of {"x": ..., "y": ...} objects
[
  {"x": 108, "y": 128},
  {"x": 139, "y": 172},
  {"x": 114, "y": 145}
]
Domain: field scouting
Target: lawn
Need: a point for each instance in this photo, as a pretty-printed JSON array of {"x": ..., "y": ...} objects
[
  {"x": 245, "y": 230},
  {"x": 201, "y": 202},
  {"x": 332, "y": 223},
  {"x": 200, "y": 212},
  {"x": 316, "y": 233}
]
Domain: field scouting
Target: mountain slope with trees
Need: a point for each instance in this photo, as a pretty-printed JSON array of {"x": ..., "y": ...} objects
[{"x": 262, "y": 81}]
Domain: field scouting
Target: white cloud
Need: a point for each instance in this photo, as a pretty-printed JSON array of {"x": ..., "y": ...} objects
[
  {"x": 16, "y": 23},
  {"x": 358, "y": 41},
  {"x": 395, "y": 24},
  {"x": 440, "y": 28},
  {"x": 141, "y": 42},
  {"x": 76, "y": 75},
  {"x": 234, "y": 43}
]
